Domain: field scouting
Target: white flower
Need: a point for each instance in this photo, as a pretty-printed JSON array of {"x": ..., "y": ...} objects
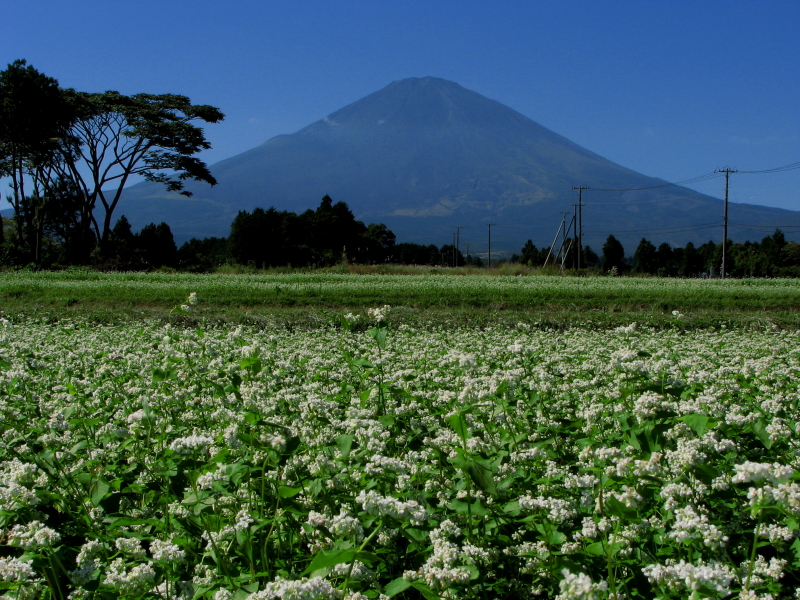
[
  {"x": 193, "y": 298},
  {"x": 129, "y": 582},
  {"x": 375, "y": 504},
  {"x": 579, "y": 586},
  {"x": 14, "y": 570},
  {"x": 33, "y": 535}
]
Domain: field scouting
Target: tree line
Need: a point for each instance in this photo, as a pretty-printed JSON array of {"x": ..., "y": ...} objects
[{"x": 772, "y": 257}]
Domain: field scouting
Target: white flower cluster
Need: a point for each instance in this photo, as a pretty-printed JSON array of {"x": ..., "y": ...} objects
[
  {"x": 407, "y": 512},
  {"x": 206, "y": 480},
  {"x": 691, "y": 525},
  {"x": 133, "y": 581},
  {"x": 315, "y": 588},
  {"x": 379, "y": 315},
  {"x": 345, "y": 526},
  {"x": 167, "y": 551},
  {"x": 87, "y": 561},
  {"x": 191, "y": 443},
  {"x": 754, "y": 472},
  {"x": 558, "y": 509},
  {"x": 16, "y": 479},
  {"x": 681, "y": 576},
  {"x": 14, "y": 570},
  {"x": 441, "y": 571},
  {"x": 579, "y": 586},
  {"x": 130, "y": 547},
  {"x": 33, "y": 535}
]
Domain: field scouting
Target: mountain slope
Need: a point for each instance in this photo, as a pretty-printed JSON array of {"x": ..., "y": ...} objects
[{"x": 425, "y": 155}]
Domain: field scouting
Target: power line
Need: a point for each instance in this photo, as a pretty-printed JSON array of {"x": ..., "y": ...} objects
[{"x": 676, "y": 229}]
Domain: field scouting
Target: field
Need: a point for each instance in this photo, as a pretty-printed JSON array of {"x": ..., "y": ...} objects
[
  {"x": 424, "y": 296},
  {"x": 382, "y": 453}
]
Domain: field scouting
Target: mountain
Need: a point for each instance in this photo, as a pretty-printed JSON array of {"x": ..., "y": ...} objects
[{"x": 424, "y": 155}]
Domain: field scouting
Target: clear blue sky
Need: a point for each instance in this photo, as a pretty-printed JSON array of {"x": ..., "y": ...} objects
[{"x": 672, "y": 89}]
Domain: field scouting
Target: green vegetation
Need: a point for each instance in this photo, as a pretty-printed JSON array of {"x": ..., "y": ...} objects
[
  {"x": 419, "y": 295},
  {"x": 374, "y": 460}
]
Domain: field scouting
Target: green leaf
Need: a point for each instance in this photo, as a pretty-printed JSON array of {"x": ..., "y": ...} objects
[
  {"x": 345, "y": 443},
  {"x": 615, "y": 508},
  {"x": 100, "y": 490},
  {"x": 379, "y": 335},
  {"x": 550, "y": 534},
  {"x": 760, "y": 431},
  {"x": 284, "y": 491},
  {"x": 395, "y": 587},
  {"x": 696, "y": 422},
  {"x": 459, "y": 425},
  {"x": 425, "y": 591},
  {"x": 326, "y": 559},
  {"x": 595, "y": 549}
]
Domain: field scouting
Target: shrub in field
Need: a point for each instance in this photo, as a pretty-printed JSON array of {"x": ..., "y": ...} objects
[{"x": 370, "y": 462}]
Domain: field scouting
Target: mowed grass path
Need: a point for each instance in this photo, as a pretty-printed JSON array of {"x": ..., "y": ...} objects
[{"x": 440, "y": 297}]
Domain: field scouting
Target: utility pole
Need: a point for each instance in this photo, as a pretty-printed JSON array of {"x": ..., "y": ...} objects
[
  {"x": 563, "y": 234},
  {"x": 575, "y": 233},
  {"x": 489, "y": 265},
  {"x": 458, "y": 241},
  {"x": 454, "y": 249},
  {"x": 727, "y": 171},
  {"x": 580, "y": 189}
]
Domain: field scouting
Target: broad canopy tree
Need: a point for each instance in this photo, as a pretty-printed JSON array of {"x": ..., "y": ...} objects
[
  {"x": 116, "y": 137},
  {"x": 95, "y": 142}
]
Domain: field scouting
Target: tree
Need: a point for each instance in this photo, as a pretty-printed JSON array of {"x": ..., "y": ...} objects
[
  {"x": 645, "y": 257},
  {"x": 156, "y": 246},
  {"x": 529, "y": 255},
  {"x": 116, "y": 137},
  {"x": 613, "y": 255},
  {"x": 378, "y": 242},
  {"x": 34, "y": 117},
  {"x": 589, "y": 258}
]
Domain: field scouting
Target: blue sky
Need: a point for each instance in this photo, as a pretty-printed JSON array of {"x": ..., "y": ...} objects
[{"x": 672, "y": 89}]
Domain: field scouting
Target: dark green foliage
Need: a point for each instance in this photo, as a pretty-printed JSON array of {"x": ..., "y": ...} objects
[
  {"x": 203, "y": 255},
  {"x": 157, "y": 246},
  {"x": 68, "y": 153},
  {"x": 590, "y": 258},
  {"x": 415, "y": 254},
  {"x": 613, "y": 255},
  {"x": 329, "y": 235},
  {"x": 152, "y": 248},
  {"x": 645, "y": 257}
]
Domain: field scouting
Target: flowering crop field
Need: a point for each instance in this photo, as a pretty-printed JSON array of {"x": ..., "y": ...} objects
[{"x": 373, "y": 460}]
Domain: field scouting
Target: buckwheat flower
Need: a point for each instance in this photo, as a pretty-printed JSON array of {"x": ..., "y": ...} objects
[
  {"x": 191, "y": 443},
  {"x": 579, "y": 586},
  {"x": 130, "y": 546},
  {"x": 133, "y": 581},
  {"x": 691, "y": 577},
  {"x": 33, "y": 535},
  {"x": 185, "y": 307},
  {"x": 163, "y": 550},
  {"x": 315, "y": 588},
  {"x": 223, "y": 595},
  {"x": 753, "y": 472},
  {"x": 690, "y": 525},
  {"x": 345, "y": 526},
  {"x": 379, "y": 315},
  {"x": 14, "y": 570},
  {"x": 193, "y": 298},
  {"x": 375, "y": 504}
]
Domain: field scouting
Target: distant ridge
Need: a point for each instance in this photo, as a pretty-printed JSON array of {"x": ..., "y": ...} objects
[{"x": 424, "y": 155}]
